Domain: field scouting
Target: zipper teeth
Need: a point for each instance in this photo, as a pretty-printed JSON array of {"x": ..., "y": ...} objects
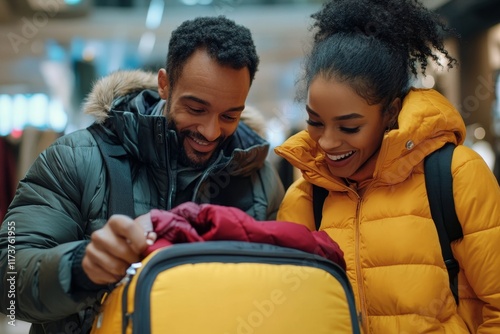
[
  {"x": 359, "y": 276},
  {"x": 171, "y": 182},
  {"x": 162, "y": 134},
  {"x": 125, "y": 313},
  {"x": 205, "y": 175}
]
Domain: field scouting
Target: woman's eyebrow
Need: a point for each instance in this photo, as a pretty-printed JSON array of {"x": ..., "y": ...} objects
[{"x": 338, "y": 118}]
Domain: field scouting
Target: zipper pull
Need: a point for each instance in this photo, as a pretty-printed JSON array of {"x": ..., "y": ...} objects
[
  {"x": 99, "y": 319},
  {"x": 360, "y": 318},
  {"x": 131, "y": 271}
]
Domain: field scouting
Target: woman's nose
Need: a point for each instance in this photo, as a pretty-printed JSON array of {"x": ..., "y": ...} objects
[{"x": 329, "y": 141}]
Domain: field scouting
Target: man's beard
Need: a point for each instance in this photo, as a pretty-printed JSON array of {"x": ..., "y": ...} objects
[
  {"x": 201, "y": 162},
  {"x": 195, "y": 160}
]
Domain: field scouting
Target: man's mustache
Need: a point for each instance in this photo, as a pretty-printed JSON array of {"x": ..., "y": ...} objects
[{"x": 197, "y": 135}]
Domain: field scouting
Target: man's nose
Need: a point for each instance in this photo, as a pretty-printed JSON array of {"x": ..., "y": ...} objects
[{"x": 210, "y": 129}]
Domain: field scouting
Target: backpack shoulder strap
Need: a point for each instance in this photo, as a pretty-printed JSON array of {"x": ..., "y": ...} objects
[
  {"x": 118, "y": 170},
  {"x": 439, "y": 185},
  {"x": 319, "y": 196}
]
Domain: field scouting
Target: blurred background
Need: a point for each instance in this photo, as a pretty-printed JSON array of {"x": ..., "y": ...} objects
[{"x": 52, "y": 51}]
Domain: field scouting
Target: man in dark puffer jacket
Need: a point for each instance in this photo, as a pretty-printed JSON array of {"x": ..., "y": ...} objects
[{"x": 181, "y": 133}]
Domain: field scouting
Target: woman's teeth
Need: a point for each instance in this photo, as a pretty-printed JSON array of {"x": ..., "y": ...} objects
[{"x": 339, "y": 157}]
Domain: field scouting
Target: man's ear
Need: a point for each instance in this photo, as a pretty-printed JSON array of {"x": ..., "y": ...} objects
[{"x": 163, "y": 84}]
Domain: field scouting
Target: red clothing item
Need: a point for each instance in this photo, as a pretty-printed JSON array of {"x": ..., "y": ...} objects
[{"x": 190, "y": 222}]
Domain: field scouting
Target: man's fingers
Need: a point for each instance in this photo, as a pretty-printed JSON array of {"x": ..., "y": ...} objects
[
  {"x": 97, "y": 274},
  {"x": 113, "y": 248},
  {"x": 147, "y": 225},
  {"x": 102, "y": 268},
  {"x": 145, "y": 222},
  {"x": 132, "y": 233},
  {"x": 109, "y": 244},
  {"x": 151, "y": 237}
]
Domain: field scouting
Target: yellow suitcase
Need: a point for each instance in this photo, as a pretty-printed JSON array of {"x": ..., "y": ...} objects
[{"x": 230, "y": 287}]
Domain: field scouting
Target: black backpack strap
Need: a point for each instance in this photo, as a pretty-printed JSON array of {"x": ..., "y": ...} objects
[
  {"x": 439, "y": 185},
  {"x": 118, "y": 170},
  {"x": 319, "y": 196}
]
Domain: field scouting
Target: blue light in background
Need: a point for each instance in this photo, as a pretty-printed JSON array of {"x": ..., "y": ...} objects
[
  {"x": 19, "y": 108},
  {"x": 58, "y": 119},
  {"x": 5, "y": 114},
  {"x": 55, "y": 51},
  {"x": 155, "y": 14},
  {"x": 72, "y": 2},
  {"x": 37, "y": 110}
]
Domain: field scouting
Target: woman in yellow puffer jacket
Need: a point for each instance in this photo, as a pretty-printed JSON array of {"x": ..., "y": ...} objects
[{"x": 367, "y": 136}]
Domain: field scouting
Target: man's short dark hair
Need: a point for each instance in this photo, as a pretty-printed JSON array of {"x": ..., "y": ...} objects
[{"x": 225, "y": 41}]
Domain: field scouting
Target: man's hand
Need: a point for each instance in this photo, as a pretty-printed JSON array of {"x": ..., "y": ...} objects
[
  {"x": 115, "y": 247},
  {"x": 147, "y": 225}
]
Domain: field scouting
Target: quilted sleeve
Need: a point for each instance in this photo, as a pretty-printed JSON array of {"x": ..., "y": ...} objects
[
  {"x": 297, "y": 205},
  {"x": 41, "y": 232},
  {"x": 477, "y": 202}
]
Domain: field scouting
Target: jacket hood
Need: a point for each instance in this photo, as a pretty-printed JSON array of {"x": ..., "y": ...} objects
[
  {"x": 426, "y": 122},
  {"x": 105, "y": 91}
]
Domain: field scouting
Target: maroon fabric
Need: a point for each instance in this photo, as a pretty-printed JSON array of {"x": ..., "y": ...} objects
[{"x": 190, "y": 222}]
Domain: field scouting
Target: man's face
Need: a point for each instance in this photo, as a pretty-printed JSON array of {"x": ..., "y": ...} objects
[{"x": 204, "y": 106}]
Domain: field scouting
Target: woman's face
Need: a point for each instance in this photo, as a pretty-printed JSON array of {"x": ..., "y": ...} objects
[{"x": 345, "y": 127}]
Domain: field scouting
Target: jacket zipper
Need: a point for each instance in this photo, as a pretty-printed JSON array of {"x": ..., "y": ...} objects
[
  {"x": 363, "y": 312},
  {"x": 362, "y": 316},
  {"x": 126, "y": 316},
  {"x": 359, "y": 276},
  {"x": 161, "y": 134},
  {"x": 205, "y": 175}
]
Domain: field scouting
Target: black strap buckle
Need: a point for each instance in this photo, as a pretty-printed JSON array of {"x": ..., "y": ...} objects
[{"x": 452, "y": 266}]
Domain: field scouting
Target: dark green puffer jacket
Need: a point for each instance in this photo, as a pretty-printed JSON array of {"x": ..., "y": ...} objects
[{"x": 64, "y": 197}]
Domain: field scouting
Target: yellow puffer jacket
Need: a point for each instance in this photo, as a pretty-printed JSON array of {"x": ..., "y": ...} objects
[{"x": 390, "y": 242}]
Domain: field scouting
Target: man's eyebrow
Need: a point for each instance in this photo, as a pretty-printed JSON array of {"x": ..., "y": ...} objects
[
  {"x": 206, "y": 103},
  {"x": 338, "y": 118},
  {"x": 240, "y": 108},
  {"x": 196, "y": 99}
]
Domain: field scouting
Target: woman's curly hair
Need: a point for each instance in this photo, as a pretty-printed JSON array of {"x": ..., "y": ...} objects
[{"x": 375, "y": 45}]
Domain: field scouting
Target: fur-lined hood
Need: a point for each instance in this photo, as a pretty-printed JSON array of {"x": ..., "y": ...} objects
[{"x": 121, "y": 83}]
